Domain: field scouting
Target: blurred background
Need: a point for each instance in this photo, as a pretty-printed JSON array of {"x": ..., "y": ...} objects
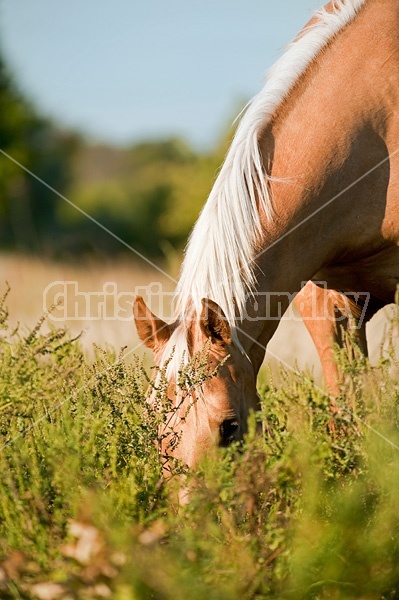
[{"x": 122, "y": 111}]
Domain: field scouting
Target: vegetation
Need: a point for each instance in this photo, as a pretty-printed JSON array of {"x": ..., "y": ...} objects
[
  {"x": 309, "y": 509},
  {"x": 156, "y": 187},
  {"x": 27, "y": 208}
]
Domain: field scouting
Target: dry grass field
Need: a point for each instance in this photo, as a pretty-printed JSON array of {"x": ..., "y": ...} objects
[{"x": 36, "y": 283}]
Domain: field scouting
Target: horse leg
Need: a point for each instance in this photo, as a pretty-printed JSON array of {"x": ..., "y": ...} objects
[{"x": 328, "y": 315}]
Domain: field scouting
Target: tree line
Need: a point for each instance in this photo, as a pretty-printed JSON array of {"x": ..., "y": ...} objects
[{"x": 148, "y": 194}]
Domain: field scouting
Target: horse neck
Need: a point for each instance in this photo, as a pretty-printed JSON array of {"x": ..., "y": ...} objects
[{"x": 314, "y": 149}]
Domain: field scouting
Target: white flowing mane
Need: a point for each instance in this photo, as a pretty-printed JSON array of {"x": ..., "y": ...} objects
[{"x": 219, "y": 260}]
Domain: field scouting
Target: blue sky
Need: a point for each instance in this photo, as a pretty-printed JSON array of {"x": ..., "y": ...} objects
[{"x": 124, "y": 70}]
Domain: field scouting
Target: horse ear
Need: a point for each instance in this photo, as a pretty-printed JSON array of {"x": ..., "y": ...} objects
[
  {"x": 152, "y": 331},
  {"x": 213, "y": 323}
]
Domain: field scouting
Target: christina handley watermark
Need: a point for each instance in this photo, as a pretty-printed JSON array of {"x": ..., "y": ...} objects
[
  {"x": 70, "y": 303},
  {"x": 109, "y": 304}
]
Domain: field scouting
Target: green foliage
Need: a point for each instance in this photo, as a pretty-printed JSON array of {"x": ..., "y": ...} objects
[
  {"x": 307, "y": 509},
  {"x": 27, "y": 207},
  {"x": 149, "y": 195}
]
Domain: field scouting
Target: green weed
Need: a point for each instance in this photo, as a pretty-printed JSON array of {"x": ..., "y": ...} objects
[{"x": 308, "y": 509}]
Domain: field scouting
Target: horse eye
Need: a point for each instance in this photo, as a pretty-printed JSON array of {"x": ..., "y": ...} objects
[{"x": 228, "y": 430}]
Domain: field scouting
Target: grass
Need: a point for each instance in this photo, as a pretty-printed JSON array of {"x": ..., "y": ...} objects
[
  {"x": 29, "y": 277},
  {"x": 303, "y": 511}
]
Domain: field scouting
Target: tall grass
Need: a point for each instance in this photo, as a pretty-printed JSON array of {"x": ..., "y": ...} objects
[{"x": 309, "y": 509}]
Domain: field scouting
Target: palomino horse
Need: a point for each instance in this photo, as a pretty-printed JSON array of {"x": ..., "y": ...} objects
[{"x": 309, "y": 191}]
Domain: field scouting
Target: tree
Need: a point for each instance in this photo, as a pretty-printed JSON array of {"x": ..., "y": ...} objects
[{"x": 27, "y": 208}]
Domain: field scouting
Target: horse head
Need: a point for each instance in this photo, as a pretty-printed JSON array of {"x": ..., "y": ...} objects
[{"x": 214, "y": 411}]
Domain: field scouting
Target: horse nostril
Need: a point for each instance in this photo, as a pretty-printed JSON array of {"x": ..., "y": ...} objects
[{"x": 228, "y": 431}]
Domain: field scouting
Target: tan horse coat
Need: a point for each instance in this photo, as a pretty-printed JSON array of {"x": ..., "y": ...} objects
[
  {"x": 339, "y": 122},
  {"x": 330, "y": 152}
]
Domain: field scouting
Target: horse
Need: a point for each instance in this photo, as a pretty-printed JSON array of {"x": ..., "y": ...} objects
[{"x": 308, "y": 193}]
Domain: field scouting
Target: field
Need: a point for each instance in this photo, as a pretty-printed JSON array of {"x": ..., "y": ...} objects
[
  {"x": 29, "y": 277},
  {"x": 306, "y": 510}
]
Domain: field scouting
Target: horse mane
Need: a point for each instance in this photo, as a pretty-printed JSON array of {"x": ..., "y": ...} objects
[{"x": 219, "y": 258}]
